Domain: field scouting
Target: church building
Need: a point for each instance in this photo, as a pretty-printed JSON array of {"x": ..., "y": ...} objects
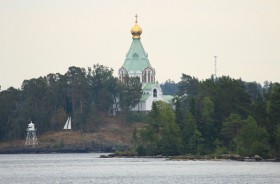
[{"x": 137, "y": 64}]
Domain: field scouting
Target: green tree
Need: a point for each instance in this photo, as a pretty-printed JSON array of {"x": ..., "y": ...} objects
[
  {"x": 230, "y": 130},
  {"x": 35, "y": 107},
  {"x": 191, "y": 135},
  {"x": 254, "y": 90},
  {"x": 188, "y": 85},
  {"x": 273, "y": 107},
  {"x": 253, "y": 139},
  {"x": 162, "y": 135},
  {"x": 207, "y": 125},
  {"x": 102, "y": 78},
  {"x": 277, "y": 140},
  {"x": 77, "y": 85},
  {"x": 169, "y": 87},
  {"x": 130, "y": 93},
  {"x": 10, "y": 127},
  {"x": 230, "y": 97},
  {"x": 171, "y": 137}
]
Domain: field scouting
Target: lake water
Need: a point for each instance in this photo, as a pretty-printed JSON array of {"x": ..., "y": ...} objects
[{"x": 89, "y": 168}]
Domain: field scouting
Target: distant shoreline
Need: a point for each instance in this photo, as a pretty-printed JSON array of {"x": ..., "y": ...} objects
[
  {"x": 54, "y": 150},
  {"x": 255, "y": 158},
  {"x": 113, "y": 154}
]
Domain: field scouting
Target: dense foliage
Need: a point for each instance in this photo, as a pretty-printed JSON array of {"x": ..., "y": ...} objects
[
  {"x": 169, "y": 87},
  {"x": 85, "y": 95},
  {"x": 215, "y": 116}
]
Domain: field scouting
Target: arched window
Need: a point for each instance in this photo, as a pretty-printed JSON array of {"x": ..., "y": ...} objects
[
  {"x": 144, "y": 76},
  {"x": 122, "y": 74},
  {"x": 154, "y": 93}
]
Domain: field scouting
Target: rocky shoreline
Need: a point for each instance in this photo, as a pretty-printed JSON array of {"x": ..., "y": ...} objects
[
  {"x": 110, "y": 149},
  {"x": 232, "y": 157},
  {"x": 67, "y": 149},
  {"x": 42, "y": 150}
]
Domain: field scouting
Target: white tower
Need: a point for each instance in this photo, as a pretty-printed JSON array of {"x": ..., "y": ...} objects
[{"x": 31, "y": 138}]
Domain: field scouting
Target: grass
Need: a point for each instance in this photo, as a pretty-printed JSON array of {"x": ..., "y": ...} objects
[{"x": 113, "y": 132}]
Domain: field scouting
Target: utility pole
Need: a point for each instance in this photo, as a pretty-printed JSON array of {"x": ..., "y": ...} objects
[{"x": 215, "y": 68}]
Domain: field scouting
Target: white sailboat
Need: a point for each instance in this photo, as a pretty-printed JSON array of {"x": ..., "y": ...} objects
[{"x": 67, "y": 125}]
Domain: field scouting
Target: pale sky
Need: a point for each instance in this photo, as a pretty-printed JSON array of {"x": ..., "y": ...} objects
[{"x": 38, "y": 37}]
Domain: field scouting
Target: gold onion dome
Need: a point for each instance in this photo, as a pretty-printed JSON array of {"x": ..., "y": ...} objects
[{"x": 136, "y": 30}]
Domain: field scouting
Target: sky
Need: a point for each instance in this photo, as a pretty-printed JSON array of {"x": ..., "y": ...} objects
[{"x": 38, "y": 37}]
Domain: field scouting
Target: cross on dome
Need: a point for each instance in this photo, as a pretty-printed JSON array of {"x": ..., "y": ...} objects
[
  {"x": 136, "y": 16},
  {"x": 136, "y": 30}
]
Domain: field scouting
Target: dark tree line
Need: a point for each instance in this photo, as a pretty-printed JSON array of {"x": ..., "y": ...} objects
[
  {"x": 214, "y": 116},
  {"x": 87, "y": 95}
]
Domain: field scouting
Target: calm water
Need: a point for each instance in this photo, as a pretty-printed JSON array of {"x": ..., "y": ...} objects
[{"x": 88, "y": 168}]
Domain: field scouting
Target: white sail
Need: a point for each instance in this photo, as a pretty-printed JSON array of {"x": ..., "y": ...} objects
[{"x": 67, "y": 125}]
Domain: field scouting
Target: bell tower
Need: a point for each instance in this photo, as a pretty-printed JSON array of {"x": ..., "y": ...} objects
[{"x": 136, "y": 63}]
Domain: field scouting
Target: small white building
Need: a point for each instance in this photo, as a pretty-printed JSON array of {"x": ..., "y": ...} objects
[
  {"x": 31, "y": 127},
  {"x": 31, "y": 138}
]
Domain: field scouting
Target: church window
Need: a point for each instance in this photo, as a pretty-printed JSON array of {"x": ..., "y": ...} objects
[
  {"x": 144, "y": 77},
  {"x": 135, "y": 56},
  {"x": 154, "y": 93}
]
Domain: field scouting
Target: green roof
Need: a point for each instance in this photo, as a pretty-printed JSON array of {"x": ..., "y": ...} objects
[
  {"x": 144, "y": 97},
  {"x": 136, "y": 58},
  {"x": 148, "y": 86},
  {"x": 168, "y": 98}
]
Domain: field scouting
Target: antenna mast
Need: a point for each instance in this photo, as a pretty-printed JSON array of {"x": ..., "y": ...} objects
[{"x": 215, "y": 67}]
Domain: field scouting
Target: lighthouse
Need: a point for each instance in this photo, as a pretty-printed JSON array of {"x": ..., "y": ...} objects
[{"x": 31, "y": 138}]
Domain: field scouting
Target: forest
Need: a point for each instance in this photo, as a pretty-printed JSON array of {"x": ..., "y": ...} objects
[
  {"x": 87, "y": 95},
  {"x": 212, "y": 116}
]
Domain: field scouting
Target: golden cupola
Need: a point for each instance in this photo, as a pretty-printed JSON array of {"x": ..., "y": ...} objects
[{"x": 136, "y": 30}]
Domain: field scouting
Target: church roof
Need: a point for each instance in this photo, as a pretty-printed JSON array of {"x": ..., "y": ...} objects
[
  {"x": 168, "y": 98},
  {"x": 144, "y": 97},
  {"x": 136, "y": 59},
  {"x": 148, "y": 86}
]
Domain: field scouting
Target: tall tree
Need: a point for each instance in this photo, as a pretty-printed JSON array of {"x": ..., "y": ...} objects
[
  {"x": 130, "y": 92},
  {"x": 169, "y": 87},
  {"x": 10, "y": 105},
  {"x": 207, "y": 124},
  {"x": 188, "y": 85},
  {"x": 253, "y": 139},
  {"x": 276, "y": 135},
  {"x": 274, "y": 106},
  {"x": 191, "y": 135},
  {"x": 231, "y": 128},
  {"x": 35, "y": 107},
  {"x": 162, "y": 135}
]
